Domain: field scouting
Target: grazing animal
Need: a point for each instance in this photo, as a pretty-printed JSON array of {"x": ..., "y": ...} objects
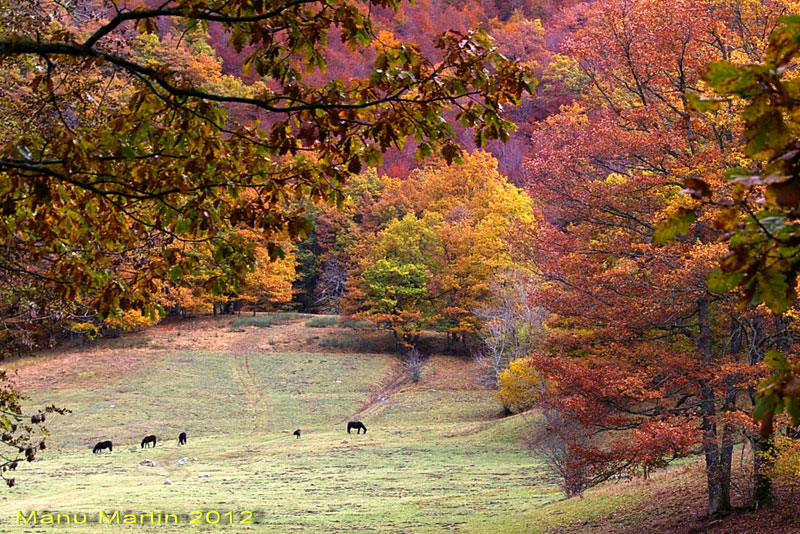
[
  {"x": 297, "y": 433},
  {"x": 103, "y": 445},
  {"x": 182, "y": 438},
  {"x": 358, "y": 425},
  {"x": 149, "y": 439}
]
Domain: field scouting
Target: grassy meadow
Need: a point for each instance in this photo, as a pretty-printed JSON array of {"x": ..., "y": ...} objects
[{"x": 437, "y": 457}]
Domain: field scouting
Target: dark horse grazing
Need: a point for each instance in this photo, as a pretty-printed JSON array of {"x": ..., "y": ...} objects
[
  {"x": 149, "y": 439},
  {"x": 297, "y": 433},
  {"x": 357, "y": 425},
  {"x": 182, "y": 438},
  {"x": 103, "y": 445}
]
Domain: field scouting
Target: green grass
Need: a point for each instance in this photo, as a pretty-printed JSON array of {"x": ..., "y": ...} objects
[
  {"x": 268, "y": 319},
  {"x": 357, "y": 325},
  {"x": 323, "y": 321},
  {"x": 432, "y": 461}
]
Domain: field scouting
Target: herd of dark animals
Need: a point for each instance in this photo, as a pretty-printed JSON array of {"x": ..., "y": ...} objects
[
  {"x": 151, "y": 439},
  {"x": 147, "y": 441}
]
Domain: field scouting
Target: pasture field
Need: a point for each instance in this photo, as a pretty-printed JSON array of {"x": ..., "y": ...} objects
[{"x": 437, "y": 456}]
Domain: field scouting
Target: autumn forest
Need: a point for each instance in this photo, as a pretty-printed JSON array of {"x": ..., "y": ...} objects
[{"x": 593, "y": 205}]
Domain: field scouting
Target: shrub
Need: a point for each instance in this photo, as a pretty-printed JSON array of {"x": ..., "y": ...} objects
[
  {"x": 560, "y": 441},
  {"x": 519, "y": 386},
  {"x": 366, "y": 344},
  {"x": 413, "y": 364},
  {"x": 785, "y": 463},
  {"x": 357, "y": 325}
]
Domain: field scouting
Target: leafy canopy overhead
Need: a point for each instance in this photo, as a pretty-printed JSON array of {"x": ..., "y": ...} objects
[
  {"x": 129, "y": 163},
  {"x": 106, "y": 148},
  {"x": 760, "y": 213}
]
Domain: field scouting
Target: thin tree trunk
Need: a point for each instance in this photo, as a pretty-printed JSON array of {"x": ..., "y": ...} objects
[
  {"x": 717, "y": 468},
  {"x": 763, "y": 443},
  {"x": 762, "y": 451}
]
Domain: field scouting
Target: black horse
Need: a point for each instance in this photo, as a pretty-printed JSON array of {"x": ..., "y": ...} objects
[
  {"x": 148, "y": 440},
  {"x": 357, "y": 425},
  {"x": 297, "y": 433},
  {"x": 103, "y": 445},
  {"x": 182, "y": 438}
]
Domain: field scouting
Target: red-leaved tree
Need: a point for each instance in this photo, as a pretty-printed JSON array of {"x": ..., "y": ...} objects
[{"x": 643, "y": 356}]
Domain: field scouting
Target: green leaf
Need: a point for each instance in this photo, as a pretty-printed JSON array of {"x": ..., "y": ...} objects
[
  {"x": 698, "y": 103},
  {"x": 777, "y": 361},
  {"x": 768, "y": 134},
  {"x": 721, "y": 282},
  {"x": 737, "y": 173},
  {"x": 775, "y": 290},
  {"x": 676, "y": 223},
  {"x": 175, "y": 273},
  {"x": 793, "y": 408},
  {"x": 764, "y": 407},
  {"x": 728, "y": 78}
]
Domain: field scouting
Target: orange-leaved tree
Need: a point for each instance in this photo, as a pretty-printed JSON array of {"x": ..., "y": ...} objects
[
  {"x": 457, "y": 224},
  {"x": 651, "y": 361}
]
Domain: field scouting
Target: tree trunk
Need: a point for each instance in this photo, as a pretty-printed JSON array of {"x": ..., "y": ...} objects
[
  {"x": 718, "y": 474},
  {"x": 726, "y": 461},
  {"x": 717, "y": 469},
  {"x": 762, "y": 493},
  {"x": 762, "y": 443}
]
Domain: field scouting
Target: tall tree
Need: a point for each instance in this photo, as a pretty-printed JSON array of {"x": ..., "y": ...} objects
[
  {"x": 639, "y": 342},
  {"x": 760, "y": 207}
]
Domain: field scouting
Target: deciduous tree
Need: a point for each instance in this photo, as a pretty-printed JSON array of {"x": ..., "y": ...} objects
[
  {"x": 459, "y": 224},
  {"x": 639, "y": 343}
]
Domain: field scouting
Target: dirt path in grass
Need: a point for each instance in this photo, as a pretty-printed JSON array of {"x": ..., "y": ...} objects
[
  {"x": 396, "y": 378},
  {"x": 440, "y": 372},
  {"x": 294, "y": 336},
  {"x": 243, "y": 346},
  {"x": 255, "y": 397}
]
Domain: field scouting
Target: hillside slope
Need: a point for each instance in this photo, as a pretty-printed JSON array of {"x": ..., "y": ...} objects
[{"x": 435, "y": 458}]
